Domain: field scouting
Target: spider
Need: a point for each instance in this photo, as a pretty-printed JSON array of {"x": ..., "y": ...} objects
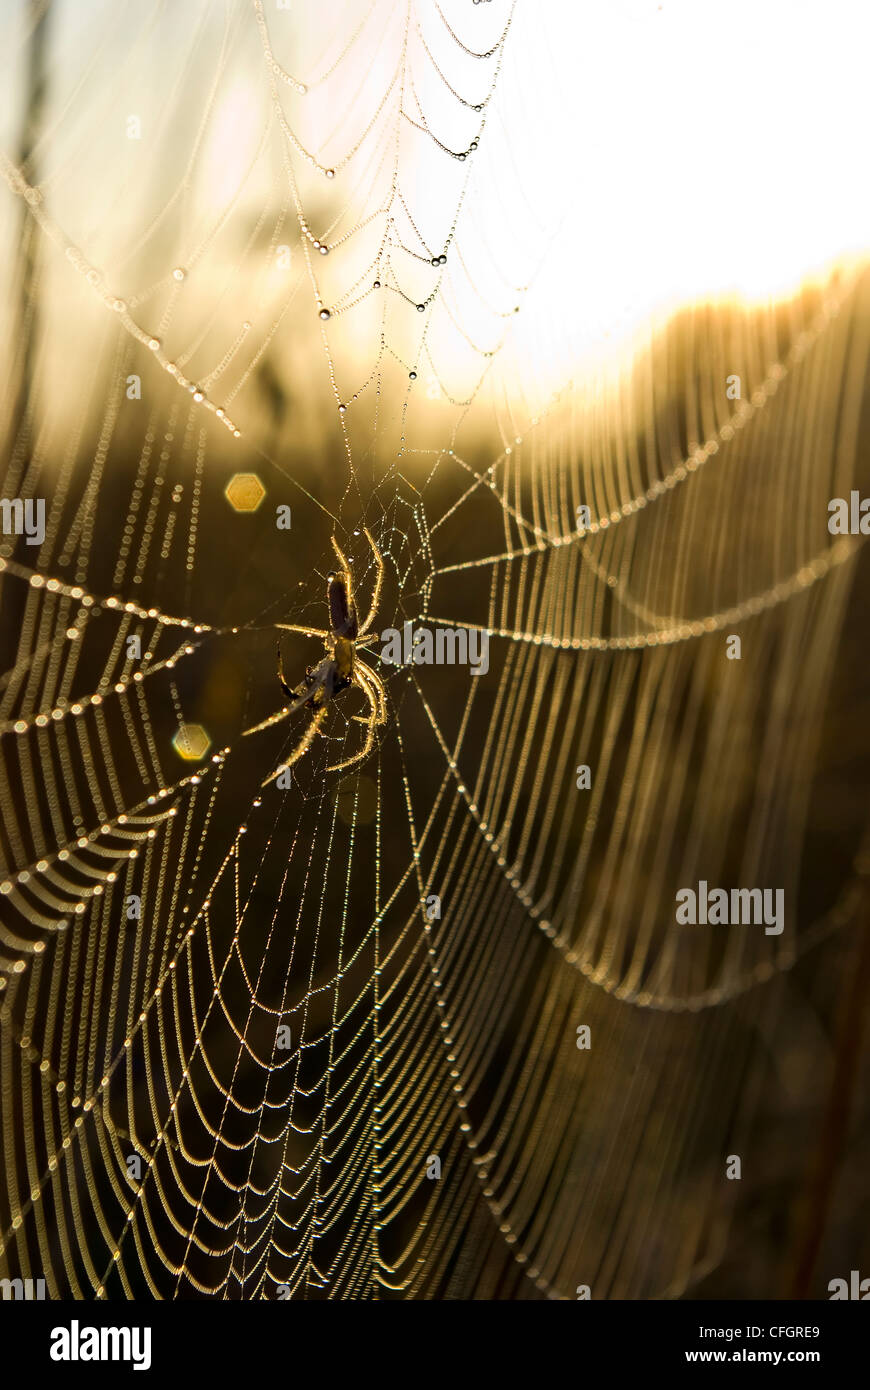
[{"x": 340, "y": 667}]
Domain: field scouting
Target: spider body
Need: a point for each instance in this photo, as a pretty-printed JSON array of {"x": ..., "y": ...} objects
[
  {"x": 342, "y": 609},
  {"x": 319, "y": 684},
  {"x": 340, "y": 668}
]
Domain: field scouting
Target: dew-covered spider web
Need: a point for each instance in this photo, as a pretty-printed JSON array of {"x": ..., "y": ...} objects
[{"x": 278, "y": 273}]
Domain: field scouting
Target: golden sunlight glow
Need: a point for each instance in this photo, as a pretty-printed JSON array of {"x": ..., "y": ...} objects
[{"x": 742, "y": 178}]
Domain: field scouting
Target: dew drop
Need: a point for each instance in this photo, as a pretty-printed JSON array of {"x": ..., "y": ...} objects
[
  {"x": 412, "y": 376},
  {"x": 324, "y": 314},
  {"x": 330, "y": 173},
  {"x": 421, "y": 308},
  {"x": 179, "y": 273}
]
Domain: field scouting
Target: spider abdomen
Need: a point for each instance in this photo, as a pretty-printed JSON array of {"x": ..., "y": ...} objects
[{"x": 342, "y": 609}]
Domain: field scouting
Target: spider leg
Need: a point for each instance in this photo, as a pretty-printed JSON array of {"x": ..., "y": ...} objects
[
  {"x": 288, "y": 689},
  {"x": 379, "y": 580},
  {"x": 367, "y": 677},
  {"x": 301, "y": 748},
  {"x": 279, "y": 714},
  {"x": 359, "y": 678},
  {"x": 370, "y": 736},
  {"x": 267, "y": 723},
  {"x": 296, "y": 702},
  {"x": 357, "y": 757},
  {"x": 309, "y": 631},
  {"x": 341, "y": 556}
]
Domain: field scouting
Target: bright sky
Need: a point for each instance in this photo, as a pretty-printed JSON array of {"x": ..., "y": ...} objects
[
  {"x": 704, "y": 148},
  {"x": 637, "y": 155}
]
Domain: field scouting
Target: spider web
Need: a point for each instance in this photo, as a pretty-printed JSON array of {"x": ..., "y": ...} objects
[{"x": 163, "y": 1134}]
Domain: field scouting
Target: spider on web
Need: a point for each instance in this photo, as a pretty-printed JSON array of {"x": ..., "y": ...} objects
[{"x": 340, "y": 668}]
